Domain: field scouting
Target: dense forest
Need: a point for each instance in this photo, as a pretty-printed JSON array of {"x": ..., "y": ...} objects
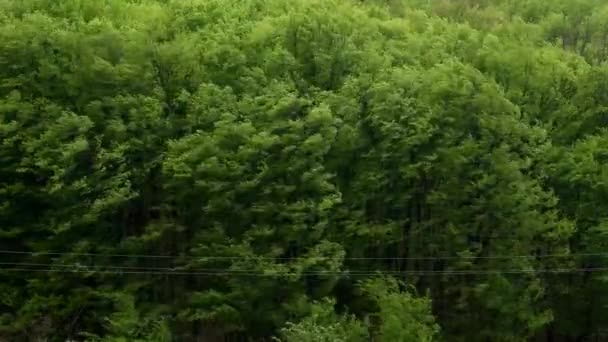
[{"x": 303, "y": 170}]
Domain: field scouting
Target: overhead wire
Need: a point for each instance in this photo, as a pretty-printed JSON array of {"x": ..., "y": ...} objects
[
  {"x": 102, "y": 269},
  {"x": 114, "y": 269},
  {"x": 284, "y": 274},
  {"x": 203, "y": 257}
]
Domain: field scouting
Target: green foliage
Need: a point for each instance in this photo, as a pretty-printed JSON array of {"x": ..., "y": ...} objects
[
  {"x": 323, "y": 324},
  {"x": 402, "y": 316},
  {"x": 126, "y": 324},
  {"x": 215, "y": 169}
]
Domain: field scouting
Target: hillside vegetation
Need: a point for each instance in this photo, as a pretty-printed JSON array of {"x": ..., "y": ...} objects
[{"x": 303, "y": 170}]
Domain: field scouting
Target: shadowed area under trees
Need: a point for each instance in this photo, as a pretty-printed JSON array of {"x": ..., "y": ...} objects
[{"x": 304, "y": 170}]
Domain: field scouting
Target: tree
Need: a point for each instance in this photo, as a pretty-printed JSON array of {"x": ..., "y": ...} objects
[
  {"x": 216, "y": 169},
  {"x": 401, "y": 316},
  {"x": 323, "y": 324}
]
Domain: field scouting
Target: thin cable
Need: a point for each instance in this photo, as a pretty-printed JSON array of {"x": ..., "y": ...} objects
[
  {"x": 164, "y": 270},
  {"x": 175, "y": 270},
  {"x": 328, "y": 273},
  {"x": 168, "y": 269},
  {"x": 91, "y": 254},
  {"x": 542, "y": 256}
]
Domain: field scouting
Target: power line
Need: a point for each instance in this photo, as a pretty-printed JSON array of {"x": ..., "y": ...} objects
[
  {"x": 283, "y": 274},
  {"x": 167, "y": 269},
  {"x": 540, "y": 256},
  {"x": 92, "y": 254},
  {"x": 66, "y": 268},
  {"x": 164, "y": 270}
]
